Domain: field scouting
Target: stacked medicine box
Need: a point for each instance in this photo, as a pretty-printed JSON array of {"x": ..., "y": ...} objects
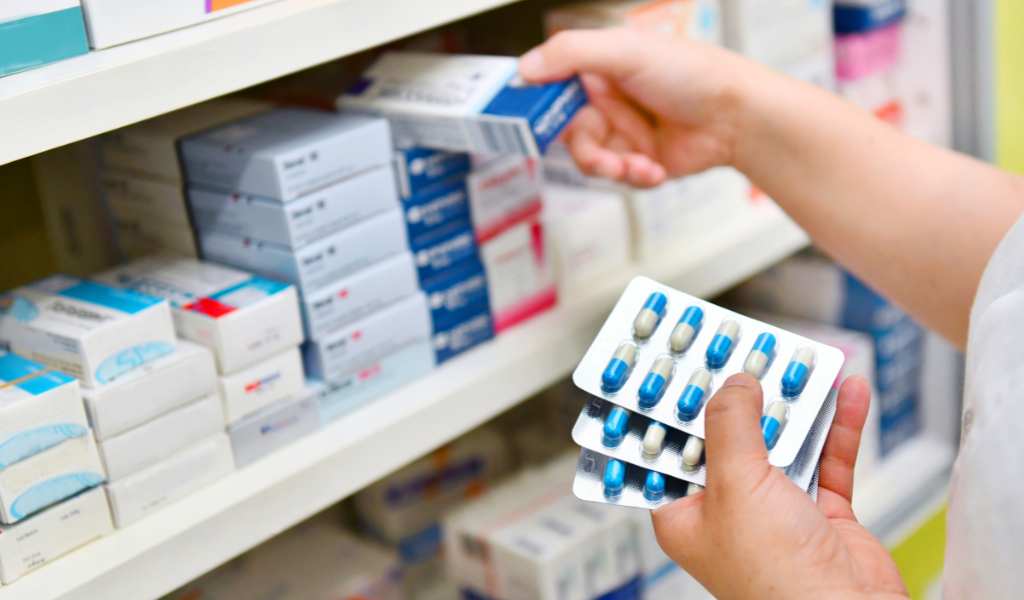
[
  {"x": 142, "y": 184},
  {"x": 248, "y": 331},
  {"x": 309, "y": 198},
  {"x": 35, "y": 33},
  {"x": 436, "y": 205},
  {"x": 50, "y": 472},
  {"x": 869, "y": 50}
]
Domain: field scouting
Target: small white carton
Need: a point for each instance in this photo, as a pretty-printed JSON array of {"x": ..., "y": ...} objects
[
  {"x": 520, "y": 279},
  {"x": 502, "y": 193},
  {"x": 162, "y": 437},
  {"x": 358, "y": 295},
  {"x": 274, "y": 426},
  {"x": 34, "y": 542},
  {"x": 286, "y": 153},
  {"x": 141, "y": 236},
  {"x": 299, "y": 222},
  {"x": 165, "y": 482},
  {"x": 241, "y": 318},
  {"x": 464, "y": 103},
  {"x": 84, "y": 328},
  {"x": 150, "y": 147},
  {"x": 365, "y": 342},
  {"x": 694, "y": 19},
  {"x": 48, "y": 477},
  {"x": 152, "y": 390},
  {"x": 130, "y": 197},
  {"x": 318, "y": 264},
  {"x": 249, "y": 390},
  {"x": 39, "y": 409}
]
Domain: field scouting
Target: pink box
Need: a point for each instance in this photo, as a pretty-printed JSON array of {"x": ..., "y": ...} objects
[{"x": 866, "y": 54}]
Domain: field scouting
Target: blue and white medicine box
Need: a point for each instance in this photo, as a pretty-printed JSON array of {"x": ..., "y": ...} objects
[
  {"x": 452, "y": 246},
  {"x": 84, "y": 328},
  {"x": 273, "y": 427},
  {"x": 242, "y": 319},
  {"x": 457, "y": 294},
  {"x": 464, "y": 103},
  {"x": 418, "y": 169},
  {"x": 358, "y": 295},
  {"x": 39, "y": 408},
  {"x": 359, "y": 346},
  {"x": 299, "y": 222},
  {"x": 456, "y": 338},
  {"x": 429, "y": 213},
  {"x": 36, "y": 32},
  {"x": 46, "y": 478},
  {"x": 860, "y": 16},
  {"x": 285, "y": 153},
  {"x": 315, "y": 265}
]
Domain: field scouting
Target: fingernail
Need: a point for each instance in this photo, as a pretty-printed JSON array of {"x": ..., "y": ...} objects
[{"x": 532, "y": 63}]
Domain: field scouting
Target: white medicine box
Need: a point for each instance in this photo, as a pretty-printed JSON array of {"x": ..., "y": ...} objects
[
  {"x": 241, "y": 318},
  {"x": 92, "y": 331}
]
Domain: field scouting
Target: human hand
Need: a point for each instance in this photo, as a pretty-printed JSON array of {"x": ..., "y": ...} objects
[
  {"x": 660, "y": 106},
  {"x": 753, "y": 534}
]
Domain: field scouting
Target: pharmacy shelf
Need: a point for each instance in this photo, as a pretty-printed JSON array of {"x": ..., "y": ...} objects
[
  {"x": 100, "y": 91},
  {"x": 158, "y": 554}
]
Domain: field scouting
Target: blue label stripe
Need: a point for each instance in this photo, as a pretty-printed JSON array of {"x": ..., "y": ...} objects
[
  {"x": 28, "y": 375},
  {"x": 119, "y": 299},
  {"x": 267, "y": 286}
]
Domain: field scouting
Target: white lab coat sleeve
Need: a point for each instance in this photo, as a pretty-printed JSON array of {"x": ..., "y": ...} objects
[{"x": 985, "y": 524}]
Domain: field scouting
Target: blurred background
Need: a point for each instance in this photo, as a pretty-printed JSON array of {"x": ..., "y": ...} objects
[{"x": 424, "y": 486}]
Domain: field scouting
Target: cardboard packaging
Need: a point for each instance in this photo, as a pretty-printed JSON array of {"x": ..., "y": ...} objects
[
  {"x": 250, "y": 389},
  {"x": 274, "y": 427},
  {"x": 46, "y": 478},
  {"x": 34, "y": 33}
]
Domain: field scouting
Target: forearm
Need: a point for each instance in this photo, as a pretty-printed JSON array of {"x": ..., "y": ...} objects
[{"x": 917, "y": 222}]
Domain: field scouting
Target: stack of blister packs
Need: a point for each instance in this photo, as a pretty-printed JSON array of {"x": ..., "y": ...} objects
[{"x": 654, "y": 366}]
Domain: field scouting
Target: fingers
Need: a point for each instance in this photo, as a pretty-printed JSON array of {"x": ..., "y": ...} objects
[
  {"x": 677, "y": 527},
  {"x": 623, "y": 116},
  {"x": 733, "y": 433},
  {"x": 586, "y": 141},
  {"x": 611, "y": 52},
  {"x": 839, "y": 458}
]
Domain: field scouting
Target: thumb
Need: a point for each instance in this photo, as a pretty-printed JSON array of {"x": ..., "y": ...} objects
[
  {"x": 614, "y": 53},
  {"x": 677, "y": 527},
  {"x": 733, "y": 433}
]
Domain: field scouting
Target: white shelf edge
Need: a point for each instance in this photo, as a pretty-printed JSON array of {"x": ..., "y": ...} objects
[
  {"x": 204, "y": 530},
  {"x": 87, "y": 95}
]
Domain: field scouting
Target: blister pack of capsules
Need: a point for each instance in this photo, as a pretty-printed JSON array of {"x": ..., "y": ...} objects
[{"x": 658, "y": 359}]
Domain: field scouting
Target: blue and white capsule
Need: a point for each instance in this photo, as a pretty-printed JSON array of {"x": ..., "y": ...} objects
[
  {"x": 649, "y": 317},
  {"x": 693, "y": 450},
  {"x": 619, "y": 367},
  {"x": 614, "y": 478},
  {"x": 654, "y": 384},
  {"x": 692, "y": 399},
  {"x": 722, "y": 345},
  {"x": 654, "y": 441},
  {"x": 654, "y": 486},
  {"x": 760, "y": 356},
  {"x": 773, "y": 422},
  {"x": 616, "y": 424},
  {"x": 798, "y": 371},
  {"x": 693, "y": 489},
  {"x": 686, "y": 329}
]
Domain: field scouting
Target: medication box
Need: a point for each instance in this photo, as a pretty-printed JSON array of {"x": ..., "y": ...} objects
[
  {"x": 89, "y": 330},
  {"x": 457, "y": 294},
  {"x": 418, "y": 169},
  {"x": 683, "y": 349},
  {"x": 113, "y": 22},
  {"x": 273, "y": 427},
  {"x": 48, "y": 477},
  {"x": 129, "y": 196},
  {"x": 432, "y": 212},
  {"x": 286, "y": 153},
  {"x": 360, "y": 345},
  {"x": 453, "y": 246},
  {"x": 152, "y": 390},
  {"x": 34, "y": 33},
  {"x": 779, "y": 33},
  {"x": 859, "y": 16},
  {"x": 504, "y": 192},
  {"x": 250, "y": 389},
  {"x": 138, "y": 236},
  {"x": 464, "y": 103},
  {"x": 241, "y": 318},
  {"x": 299, "y": 222},
  {"x": 39, "y": 409},
  {"x": 358, "y": 295},
  {"x": 150, "y": 148},
  {"x": 34, "y": 542},
  {"x": 374, "y": 381},
  {"x": 162, "y": 437},
  {"x": 694, "y": 19},
  {"x": 454, "y": 339},
  {"x": 519, "y": 277},
  {"x": 318, "y": 264},
  {"x": 170, "y": 480}
]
